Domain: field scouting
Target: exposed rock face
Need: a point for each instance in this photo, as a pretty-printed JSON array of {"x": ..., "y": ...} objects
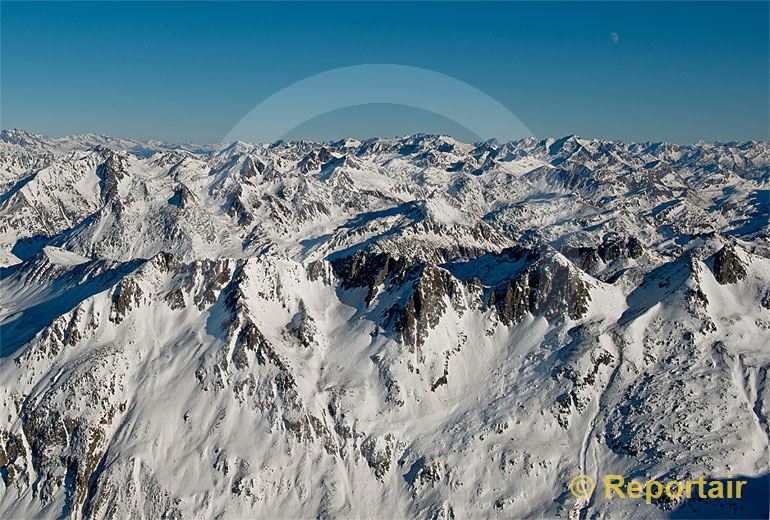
[
  {"x": 110, "y": 173},
  {"x": 520, "y": 281},
  {"x": 252, "y": 168},
  {"x": 364, "y": 269},
  {"x": 303, "y": 327},
  {"x": 547, "y": 287},
  {"x": 728, "y": 268},
  {"x": 13, "y": 459},
  {"x": 126, "y": 296},
  {"x": 432, "y": 289},
  {"x": 314, "y": 160},
  {"x": 429, "y": 288},
  {"x": 379, "y": 454},
  {"x": 239, "y": 209},
  {"x": 182, "y": 197},
  {"x": 612, "y": 247}
]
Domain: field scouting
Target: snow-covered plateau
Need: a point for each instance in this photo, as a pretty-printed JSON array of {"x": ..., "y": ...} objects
[{"x": 393, "y": 328}]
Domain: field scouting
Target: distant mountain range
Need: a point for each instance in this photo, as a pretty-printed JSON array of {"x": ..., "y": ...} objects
[{"x": 388, "y": 328}]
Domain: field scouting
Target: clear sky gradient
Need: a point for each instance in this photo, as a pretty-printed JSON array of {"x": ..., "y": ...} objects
[{"x": 679, "y": 71}]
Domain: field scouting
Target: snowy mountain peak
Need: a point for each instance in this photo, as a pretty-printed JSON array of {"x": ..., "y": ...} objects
[{"x": 396, "y": 327}]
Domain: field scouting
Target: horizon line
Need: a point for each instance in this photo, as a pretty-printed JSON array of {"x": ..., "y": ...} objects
[{"x": 222, "y": 145}]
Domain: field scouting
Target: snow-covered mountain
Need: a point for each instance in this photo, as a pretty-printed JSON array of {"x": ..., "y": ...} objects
[{"x": 393, "y": 328}]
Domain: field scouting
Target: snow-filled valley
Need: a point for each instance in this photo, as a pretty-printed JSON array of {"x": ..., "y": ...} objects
[{"x": 396, "y": 328}]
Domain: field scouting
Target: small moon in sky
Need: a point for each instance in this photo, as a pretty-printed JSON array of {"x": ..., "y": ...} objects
[{"x": 615, "y": 37}]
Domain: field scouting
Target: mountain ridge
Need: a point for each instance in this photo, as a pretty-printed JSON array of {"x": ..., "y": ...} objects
[{"x": 392, "y": 327}]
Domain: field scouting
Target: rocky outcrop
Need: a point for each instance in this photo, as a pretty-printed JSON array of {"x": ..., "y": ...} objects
[
  {"x": 239, "y": 209},
  {"x": 110, "y": 173},
  {"x": 126, "y": 296},
  {"x": 368, "y": 269},
  {"x": 182, "y": 197},
  {"x": 379, "y": 454},
  {"x": 428, "y": 289},
  {"x": 13, "y": 459},
  {"x": 303, "y": 327},
  {"x": 432, "y": 289},
  {"x": 313, "y": 160},
  {"x": 252, "y": 168},
  {"x": 727, "y": 266},
  {"x": 613, "y": 246},
  {"x": 550, "y": 286}
]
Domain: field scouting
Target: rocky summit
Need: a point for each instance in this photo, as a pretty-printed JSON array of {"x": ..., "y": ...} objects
[{"x": 389, "y": 328}]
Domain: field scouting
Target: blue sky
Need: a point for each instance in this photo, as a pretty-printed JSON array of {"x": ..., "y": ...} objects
[{"x": 679, "y": 71}]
